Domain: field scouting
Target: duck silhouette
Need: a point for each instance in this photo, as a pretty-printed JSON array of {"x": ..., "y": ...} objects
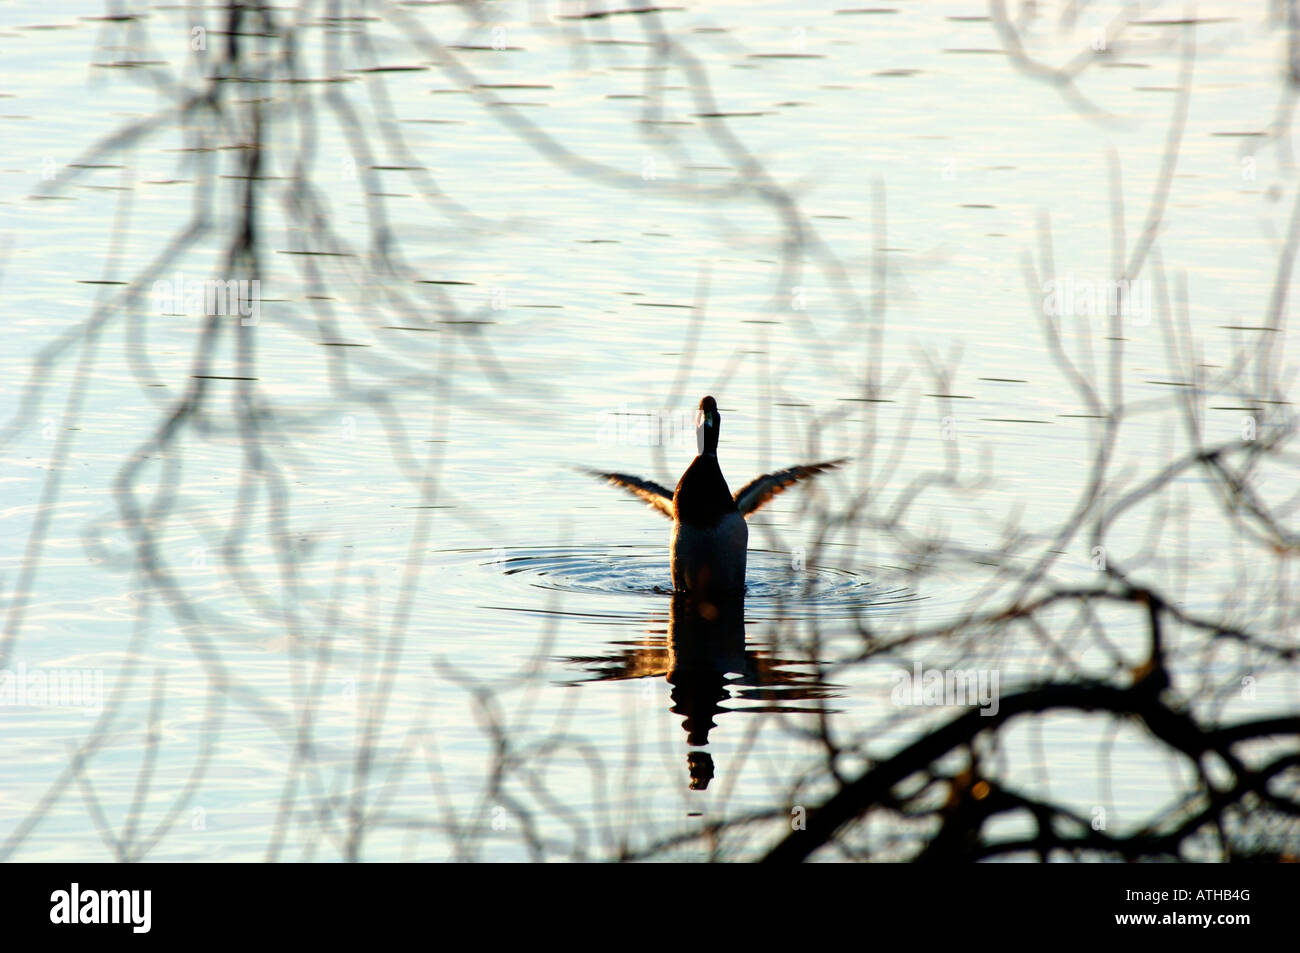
[
  {"x": 710, "y": 537},
  {"x": 711, "y": 671}
]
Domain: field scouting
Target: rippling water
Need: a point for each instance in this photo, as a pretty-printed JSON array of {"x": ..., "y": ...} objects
[
  {"x": 412, "y": 561},
  {"x": 775, "y": 583}
]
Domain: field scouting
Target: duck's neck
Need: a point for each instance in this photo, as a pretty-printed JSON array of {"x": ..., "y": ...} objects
[
  {"x": 706, "y": 438},
  {"x": 702, "y": 496}
]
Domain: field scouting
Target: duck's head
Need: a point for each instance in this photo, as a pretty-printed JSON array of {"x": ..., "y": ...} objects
[{"x": 707, "y": 424}]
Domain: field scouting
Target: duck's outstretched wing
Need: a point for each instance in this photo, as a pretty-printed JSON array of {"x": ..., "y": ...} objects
[
  {"x": 751, "y": 496},
  {"x": 661, "y": 498}
]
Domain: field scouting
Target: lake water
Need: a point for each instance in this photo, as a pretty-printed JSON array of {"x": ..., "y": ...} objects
[{"x": 363, "y": 603}]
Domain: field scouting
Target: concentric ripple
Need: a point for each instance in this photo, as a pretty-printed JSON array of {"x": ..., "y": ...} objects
[{"x": 773, "y": 586}]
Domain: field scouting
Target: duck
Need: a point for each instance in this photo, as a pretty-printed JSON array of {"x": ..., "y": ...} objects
[{"x": 710, "y": 538}]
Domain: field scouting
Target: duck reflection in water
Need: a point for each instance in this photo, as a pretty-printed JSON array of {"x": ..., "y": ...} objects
[{"x": 706, "y": 663}]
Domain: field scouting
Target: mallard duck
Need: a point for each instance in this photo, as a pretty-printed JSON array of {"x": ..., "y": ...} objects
[{"x": 710, "y": 536}]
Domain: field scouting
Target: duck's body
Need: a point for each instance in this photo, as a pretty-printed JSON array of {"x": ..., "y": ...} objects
[{"x": 710, "y": 537}]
